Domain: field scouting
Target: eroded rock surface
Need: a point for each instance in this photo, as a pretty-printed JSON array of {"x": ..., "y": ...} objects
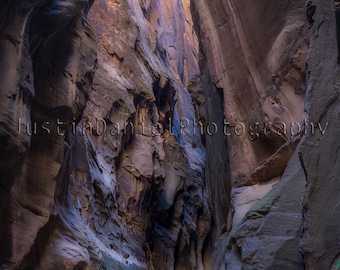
[
  {"x": 126, "y": 185},
  {"x": 319, "y": 154},
  {"x": 180, "y": 134},
  {"x": 43, "y": 47}
]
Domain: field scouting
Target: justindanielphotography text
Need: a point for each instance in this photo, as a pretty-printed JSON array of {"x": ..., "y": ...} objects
[{"x": 189, "y": 127}]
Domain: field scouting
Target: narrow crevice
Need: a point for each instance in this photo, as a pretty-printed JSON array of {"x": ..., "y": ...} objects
[
  {"x": 337, "y": 24},
  {"x": 304, "y": 222},
  {"x": 310, "y": 11},
  {"x": 127, "y": 140},
  {"x": 32, "y": 259},
  {"x": 165, "y": 101}
]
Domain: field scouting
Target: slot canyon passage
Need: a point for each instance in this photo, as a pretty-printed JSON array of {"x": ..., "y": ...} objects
[{"x": 169, "y": 134}]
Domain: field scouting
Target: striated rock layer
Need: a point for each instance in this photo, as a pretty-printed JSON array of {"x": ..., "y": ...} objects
[{"x": 147, "y": 134}]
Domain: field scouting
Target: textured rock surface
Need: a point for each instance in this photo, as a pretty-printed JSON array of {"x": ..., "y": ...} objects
[
  {"x": 256, "y": 58},
  {"x": 319, "y": 154},
  {"x": 41, "y": 59},
  {"x": 256, "y": 54},
  {"x": 146, "y": 134},
  {"x": 125, "y": 186},
  {"x": 268, "y": 236}
]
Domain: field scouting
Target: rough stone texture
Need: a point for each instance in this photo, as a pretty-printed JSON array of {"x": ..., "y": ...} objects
[
  {"x": 319, "y": 154},
  {"x": 268, "y": 235},
  {"x": 125, "y": 186},
  {"x": 148, "y": 134},
  {"x": 147, "y": 65}
]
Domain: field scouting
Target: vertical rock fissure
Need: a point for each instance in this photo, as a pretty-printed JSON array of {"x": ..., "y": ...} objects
[
  {"x": 217, "y": 170},
  {"x": 337, "y": 21}
]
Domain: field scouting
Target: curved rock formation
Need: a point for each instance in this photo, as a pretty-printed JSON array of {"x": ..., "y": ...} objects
[
  {"x": 43, "y": 48},
  {"x": 172, "y": 134}
]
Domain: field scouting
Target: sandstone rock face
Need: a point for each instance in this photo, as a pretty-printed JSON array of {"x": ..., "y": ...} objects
[
  {"x": 114, "y": 173},
  {"x": 256, "y": 59},
  {"x": 146, "y": 134},
  {"x": 320, "y": 241},
  {"x": 256, "y": 54},
  {"x": 43, "y": 45}
]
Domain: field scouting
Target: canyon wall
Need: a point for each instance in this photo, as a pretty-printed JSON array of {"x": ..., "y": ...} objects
[
  {"x": 256, "y": 55},
  {"x": 180, "y": 134},
  {"x": 104, "y": 165}
]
